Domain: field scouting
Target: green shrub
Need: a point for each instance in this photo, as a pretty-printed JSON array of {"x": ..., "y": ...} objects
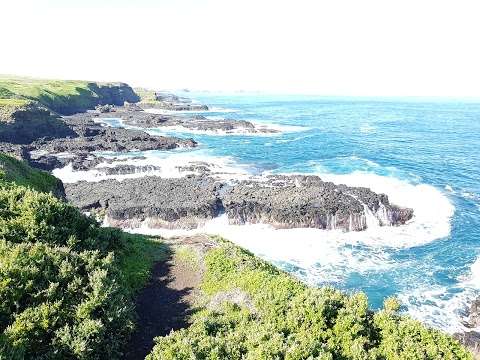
[
  {"x": 61, "y": 304},
  {"x": 292, "y": 321},
  {"x": 66, "y": 284}
]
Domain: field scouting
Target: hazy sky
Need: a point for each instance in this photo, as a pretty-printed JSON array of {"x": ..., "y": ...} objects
[{"x": 335, "y": 47}]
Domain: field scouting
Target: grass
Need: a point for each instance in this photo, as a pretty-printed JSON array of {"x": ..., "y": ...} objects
[
  {"x": 188, "y": 256},
  {"x": 63, "y": 96},
  {"x": 14, "y": 102},
  {"x": 18, "y": 172},
  {"x": 138, "y": 258},
  {"x": 146, "y": 96}
]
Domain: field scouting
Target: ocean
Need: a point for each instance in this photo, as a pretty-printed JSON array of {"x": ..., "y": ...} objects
[{"x": 423, "y": 154}]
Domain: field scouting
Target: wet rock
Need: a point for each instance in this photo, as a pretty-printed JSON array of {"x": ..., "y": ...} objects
[
  {"x": 307, "y": 201},
  {"x": 161, "y": 203},
  {"x": 282, "y": 201},
  {"x": 196, "y": 123},
  {"x": 132, "y": 107},
  {"x": 127, "y": 169}
]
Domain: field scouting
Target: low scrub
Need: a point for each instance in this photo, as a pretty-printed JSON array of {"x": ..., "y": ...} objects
[{"x": 289, "y": 320}]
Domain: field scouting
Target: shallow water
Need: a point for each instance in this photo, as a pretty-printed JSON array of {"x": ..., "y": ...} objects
[{"x": 425, "y": 155}]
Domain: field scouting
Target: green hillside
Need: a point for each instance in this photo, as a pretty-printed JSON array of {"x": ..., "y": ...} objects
[
  {"x": 65, "y": 96},
  {"x": 18, "y": 172}
]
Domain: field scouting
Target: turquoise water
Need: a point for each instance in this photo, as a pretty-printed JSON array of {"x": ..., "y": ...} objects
[{"x": 427, "y": 151}]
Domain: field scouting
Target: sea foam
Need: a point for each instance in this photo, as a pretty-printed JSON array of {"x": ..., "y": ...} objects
[{"x": 334, "y": 253}]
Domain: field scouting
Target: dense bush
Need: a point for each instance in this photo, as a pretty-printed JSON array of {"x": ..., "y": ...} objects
[
  {"x": 59, "y": 303},
  {"x": 287, "y": 320},
  {"x": 65, "y": 282}
]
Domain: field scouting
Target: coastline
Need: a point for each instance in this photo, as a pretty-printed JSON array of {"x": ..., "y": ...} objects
[{"x": 57, "y": 155}]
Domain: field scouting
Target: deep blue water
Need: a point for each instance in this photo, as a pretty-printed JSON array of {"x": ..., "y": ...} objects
[{"x": 434, "y": 143}]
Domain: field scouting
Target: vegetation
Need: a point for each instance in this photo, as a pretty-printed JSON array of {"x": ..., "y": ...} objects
[
  {"x": 65, "y": 96},
  {"x": 146, "y": 96},
  {"x": 285, "y": 319},
  {"x": 13, "y": 170},
  {"x": 13, "y": 102},
  {"x": 66, "y": 284}
]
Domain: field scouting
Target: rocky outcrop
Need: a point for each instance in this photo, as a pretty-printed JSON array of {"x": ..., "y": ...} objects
[
  {"x": 167, "y": 101},
  {"x": 281, "y": 201},
  {"x": 473, "y": 319},
  {"x": 94, "y": 94},
  {"x": 307, "y": 201},
  {"x": 471, "y": 340},
  {"x": 114, "y": 93},
  {"x": 110, "y": 139},
  {"x": 167, "y": 203},
  {"x": 23, "y": 124},
  {"x": 147, "y": 120},
  {"x": 80, "y": 138},
  {"x": 105, "y": 108}
]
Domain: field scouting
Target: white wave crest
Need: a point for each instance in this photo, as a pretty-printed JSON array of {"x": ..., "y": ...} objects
[
  {"x": 445, "y": 307},
  {"x": 166, "y": 164}
]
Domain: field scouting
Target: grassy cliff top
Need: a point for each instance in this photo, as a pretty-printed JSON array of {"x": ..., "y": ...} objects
[{"x": 64, "y": 96}]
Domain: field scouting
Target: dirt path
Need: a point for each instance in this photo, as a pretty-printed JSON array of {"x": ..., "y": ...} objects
[{"x": 163, "y": 305}]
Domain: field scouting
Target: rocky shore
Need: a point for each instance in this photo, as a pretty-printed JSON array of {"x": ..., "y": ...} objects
[
  {"x": 167, "y": 101},
  {"x": 189, "y": 201},
  {"x": 133, "y": 115},
  {"x": 281, "y": 201},
  {"x": 47, "y": 141}
]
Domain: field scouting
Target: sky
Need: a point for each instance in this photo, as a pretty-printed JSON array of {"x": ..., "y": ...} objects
[{"x": 325, "y": 47}]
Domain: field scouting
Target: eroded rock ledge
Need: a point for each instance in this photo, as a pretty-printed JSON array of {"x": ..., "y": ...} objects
[{"x": 281, "y": 201}]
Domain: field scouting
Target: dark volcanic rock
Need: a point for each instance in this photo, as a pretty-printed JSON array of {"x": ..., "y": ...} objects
[
  {"x": 473, "y": 314},
  {"x": 127, "y": 169},
  {"x": 168, "y": 203},
  {"x": 307, "y": 201},
  {"x": 471, "y": 339},
  {"x": 112, "y": 139},
  {"x": 282, "y": 201},
  {"x": 91, "y": 137},
  {"x": 198, "y": 122},
  {"x": 105, "y": 108},
  {"x": 19, "y": 152}
]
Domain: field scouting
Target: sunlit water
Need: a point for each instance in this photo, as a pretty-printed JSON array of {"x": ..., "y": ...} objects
[{"x": 425, "y": 155}]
